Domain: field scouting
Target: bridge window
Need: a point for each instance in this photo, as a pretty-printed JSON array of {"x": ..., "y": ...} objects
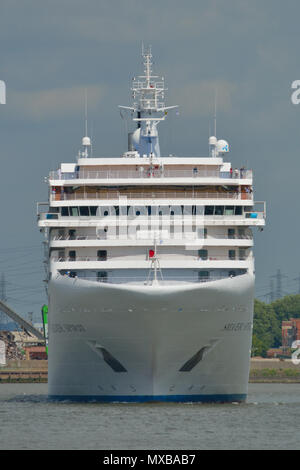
[
  {"x": 84, "y": 210},
  {"x": 64, "y": 211},
  {"x": 209, "y": 210},
  {"x": 73, "y": 211},
  {"x": 229, "y": 210},
  {"x": 219, "y": 210},
  {"x": 93, "y": 210}
]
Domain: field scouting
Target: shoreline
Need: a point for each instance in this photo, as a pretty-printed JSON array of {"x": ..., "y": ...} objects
[
  {"x": 261, "y": 371},
  {"x": 42, "y": 377}
]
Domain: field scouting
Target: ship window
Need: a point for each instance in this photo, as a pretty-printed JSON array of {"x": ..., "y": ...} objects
[
  {"x": 242, "y": 254},
  {"x": 64, "y": 211},
  {"x": 209, "y": 210},
  {"x": 203, "y": 254},
  {"x": 137, "y": 213},
  {"x": 105, "y": 213},
  {"x": 102, "y": 276},
  {"x": 102, "y": 255},
  {"x": 84, "y": 210},
  {"x": 231, "y": 273},
  {"x": 231, "y": 254},
  {"x": 229, "y": 210},
  {"x": 203, "y": 276},
  {"x": 231, "y": 233},
  {"x": 187, "y": 210},
  {"x": 200, "y": 210},
  {"x": 219, "y": 210},
  {"x": 117, "y": 209},
  {"x": 238, "y": 210},
  {"x": 72, "y": 234},
  {"x": 241, "y": 232},
  {"x": 93, "y": 210},
  {"x": 72, "y": 255},
  {"x": 74, "y": 211},
  {"x": 73, "y": 274}
]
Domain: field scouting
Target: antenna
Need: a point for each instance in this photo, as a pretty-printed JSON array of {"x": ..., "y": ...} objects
[
  {"x": 2, "y": 92},
  {"x": 86, "y": 141},
  {"x": 86, "y": 110},
  {"x": 215, "y": 114},
  {"x": 148, "y": 103},
  {"x": 92, "y": 135}
]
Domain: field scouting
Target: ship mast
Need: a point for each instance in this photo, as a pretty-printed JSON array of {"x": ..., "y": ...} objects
[
  {"x": 2, "y": 92},
  {"x": 148, "y": 92}
]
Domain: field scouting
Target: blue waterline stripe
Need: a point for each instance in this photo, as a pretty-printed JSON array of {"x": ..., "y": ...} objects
[{"x": 152, "y": 398}]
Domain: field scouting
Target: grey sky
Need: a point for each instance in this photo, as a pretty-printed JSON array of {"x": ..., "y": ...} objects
[{"x": 51, "y": 51}]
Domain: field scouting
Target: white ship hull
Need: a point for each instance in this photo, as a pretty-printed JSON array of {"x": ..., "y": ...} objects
[{"x": 131, "y": 343}]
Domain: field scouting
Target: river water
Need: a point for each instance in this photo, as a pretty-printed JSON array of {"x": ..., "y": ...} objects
[{"x": 269, "y": 420}]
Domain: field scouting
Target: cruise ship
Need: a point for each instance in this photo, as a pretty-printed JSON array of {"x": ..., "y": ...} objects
[{"x": 150, "y": 267}]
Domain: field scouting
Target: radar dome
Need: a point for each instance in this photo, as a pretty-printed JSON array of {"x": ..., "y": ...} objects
[
  {"x": 86, "y": 141},
  {"x": 222, "y": 146}
]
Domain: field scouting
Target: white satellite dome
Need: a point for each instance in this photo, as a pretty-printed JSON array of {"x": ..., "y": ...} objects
[
  {"x": 86, "y": 141},
  {"x": 222, "y": 146},
  {"x": 212, "y": 140}
]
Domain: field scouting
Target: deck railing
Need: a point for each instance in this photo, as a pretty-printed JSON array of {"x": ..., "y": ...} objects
[
  {"x": 94, "y": 237},
  {"x": 144, "y": 172},
  {"x": 108, "y": 195},
  {"x": 237, "y": 257}
]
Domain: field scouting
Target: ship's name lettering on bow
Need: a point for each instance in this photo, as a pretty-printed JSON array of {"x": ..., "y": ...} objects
[
  {"x": 241, "y": 326},
  {"x": 67, "y": 328}
]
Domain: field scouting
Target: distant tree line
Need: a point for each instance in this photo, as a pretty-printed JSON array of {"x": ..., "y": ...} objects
[{"x": 267, "y": 322}]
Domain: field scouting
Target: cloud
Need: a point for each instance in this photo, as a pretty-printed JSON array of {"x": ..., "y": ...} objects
[{"x": 53, "y": 103}]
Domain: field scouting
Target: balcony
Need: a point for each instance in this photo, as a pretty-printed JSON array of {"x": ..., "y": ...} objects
[
  {"x": 143, "y": 279},
  {"x": 60, "y": 238},
  {"x": 143, "y": 262},
  {"x": 148, "y": 173},
  {"x": 147, "y": 195},
  {"x": 162, "y": 257}
]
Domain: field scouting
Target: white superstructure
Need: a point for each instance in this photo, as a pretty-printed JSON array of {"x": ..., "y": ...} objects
[{"x": 150, "y": 268}]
